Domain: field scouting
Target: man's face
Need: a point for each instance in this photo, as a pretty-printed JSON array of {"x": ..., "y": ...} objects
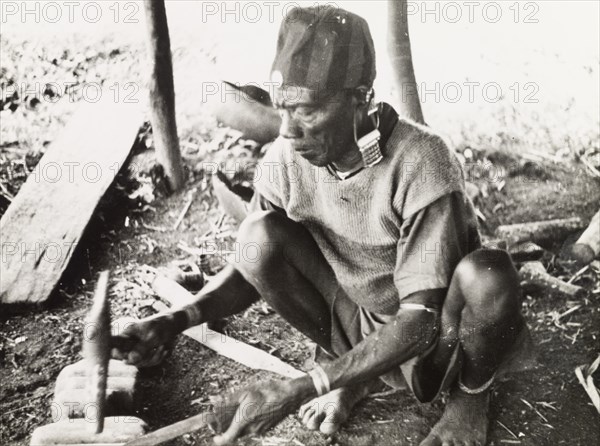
[{"x": 320, "y": 129}]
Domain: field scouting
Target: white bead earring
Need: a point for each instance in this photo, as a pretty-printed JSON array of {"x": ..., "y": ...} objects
[{"x": 369, "y": 144}]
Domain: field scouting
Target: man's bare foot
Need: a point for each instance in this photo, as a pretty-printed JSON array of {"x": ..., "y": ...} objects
[
  {"x": 464, "y": 422},
  {"x": 328, "y": 412}
]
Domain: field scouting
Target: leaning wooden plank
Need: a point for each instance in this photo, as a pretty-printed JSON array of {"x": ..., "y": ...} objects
[
  {"x": 519, "y": 252},
  {"x": 540, "y": 231},
  {"x": 224, "y": 345},
  {"x": 42, "y": 226},
  {"x": 251, "y": 114},
  {"x": 587, "y": 247},
  {"x": 230, "y": 202}
]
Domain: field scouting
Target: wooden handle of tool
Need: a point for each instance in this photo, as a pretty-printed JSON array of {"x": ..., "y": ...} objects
[
  {"x": 172, "y": 431},
  {"x": 96, "y": 347}
]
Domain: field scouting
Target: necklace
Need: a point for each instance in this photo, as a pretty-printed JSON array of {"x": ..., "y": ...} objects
[{"x": 342, "y": 175}]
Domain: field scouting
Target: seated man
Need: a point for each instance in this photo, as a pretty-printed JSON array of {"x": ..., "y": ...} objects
[{"x": 368, "y": 247}]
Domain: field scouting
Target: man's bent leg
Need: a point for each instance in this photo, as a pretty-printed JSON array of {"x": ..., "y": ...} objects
[
  {"x": 289, "y": 272},
  {"x": 482, "y": 312},
  {"x": 292, "y": 275},
  {"x": 491, "y": 318}
]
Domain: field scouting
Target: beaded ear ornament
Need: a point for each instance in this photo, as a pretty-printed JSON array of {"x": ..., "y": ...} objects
[{"x": 369, "y": 143}]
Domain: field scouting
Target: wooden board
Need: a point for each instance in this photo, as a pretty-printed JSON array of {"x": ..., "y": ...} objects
[{"x": 42, "y": 226}]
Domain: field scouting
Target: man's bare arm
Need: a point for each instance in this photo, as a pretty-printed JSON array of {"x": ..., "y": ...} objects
[
  {"x": 225, "y": 294},
  {"x": 145, "y": 342},
  {"x": 228, "y": 292},
  {"x": 409, "y": 334}
]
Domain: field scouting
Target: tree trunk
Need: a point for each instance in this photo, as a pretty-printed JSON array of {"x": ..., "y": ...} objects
[
  {"x": 540, "y": 232},
  {"x": 534, "y": 273},
  {"x": 408, "y": 102},
  {"x": 162, "y": 95}
]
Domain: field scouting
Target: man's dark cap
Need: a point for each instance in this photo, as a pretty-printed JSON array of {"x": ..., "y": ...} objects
[{"x": 324, "y": 48}]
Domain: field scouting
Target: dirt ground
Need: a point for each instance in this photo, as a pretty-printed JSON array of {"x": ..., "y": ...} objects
[
  {"x": 545, "y": 406},
  {"x": 129, "y": 233}
]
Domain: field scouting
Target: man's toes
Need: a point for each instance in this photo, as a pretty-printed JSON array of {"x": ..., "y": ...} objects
[
  {"x": 311, "y": 419},
  {"x": 329, "y": 428},
  {"x": 332, "y": 421},
  {"x": 303, "y": 409}
]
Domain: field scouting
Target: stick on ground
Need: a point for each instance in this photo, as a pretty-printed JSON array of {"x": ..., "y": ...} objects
[
  {"x": 241, "y": 352},
  {"x": 534, "y": 273}
]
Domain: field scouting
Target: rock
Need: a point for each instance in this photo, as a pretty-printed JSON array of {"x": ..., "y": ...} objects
[
  {"x": 117, "y": 430},
  {"x": 73, "y": 398}
]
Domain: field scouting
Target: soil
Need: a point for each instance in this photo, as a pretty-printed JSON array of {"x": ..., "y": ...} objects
[
  {"x": 129, "y": 233},
  {"x": 543, "y": 406}
]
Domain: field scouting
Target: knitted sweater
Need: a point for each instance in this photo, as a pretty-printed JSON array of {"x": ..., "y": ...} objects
[{"x": 362, "y": 224}]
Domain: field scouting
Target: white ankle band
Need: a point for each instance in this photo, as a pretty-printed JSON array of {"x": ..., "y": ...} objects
[
  {"x": 193, "y": 314},
  {"x": 320, "y": 380},
  {"x": 479, "y": 389}
]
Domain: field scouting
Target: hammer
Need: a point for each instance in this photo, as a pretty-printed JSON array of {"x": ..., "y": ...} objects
[
  {"x": 96, "y": 354},
  {"x": 96, "y": 348}
]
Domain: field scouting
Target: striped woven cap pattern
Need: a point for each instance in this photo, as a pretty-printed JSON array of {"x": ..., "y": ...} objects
[{"x": 324, "y": 48}]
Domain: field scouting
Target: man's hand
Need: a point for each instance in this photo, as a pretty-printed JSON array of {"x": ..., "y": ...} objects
[
  {"x": 258, "y": 407},
  {"x": 145, "y": 343}
]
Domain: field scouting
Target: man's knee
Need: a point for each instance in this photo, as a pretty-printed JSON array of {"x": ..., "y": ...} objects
[
  {"x": 259, "y": 227},
  {"x": 264, "y": 234},
  {"x": 489, "y": 283}
]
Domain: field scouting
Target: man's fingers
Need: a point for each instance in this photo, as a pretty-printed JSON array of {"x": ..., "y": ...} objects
[
  {"x": 155, "y": 356},
  {"x": 134, "y": 358},
  {"x": 162, "y": 354},
  {"x": 303, "y": 410},
  {"x": 142, "y": 357},
  {"x": 123, "y": 343},
  {"x": 139, "y": 345},
  {"x": 121, "y": 346},
  {"x": 115, "y": 353}
]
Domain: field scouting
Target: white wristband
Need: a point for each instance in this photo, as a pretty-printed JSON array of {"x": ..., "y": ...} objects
[
  {"x": 193, "y": 315},
  {"x": 320, "y": 380}
]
